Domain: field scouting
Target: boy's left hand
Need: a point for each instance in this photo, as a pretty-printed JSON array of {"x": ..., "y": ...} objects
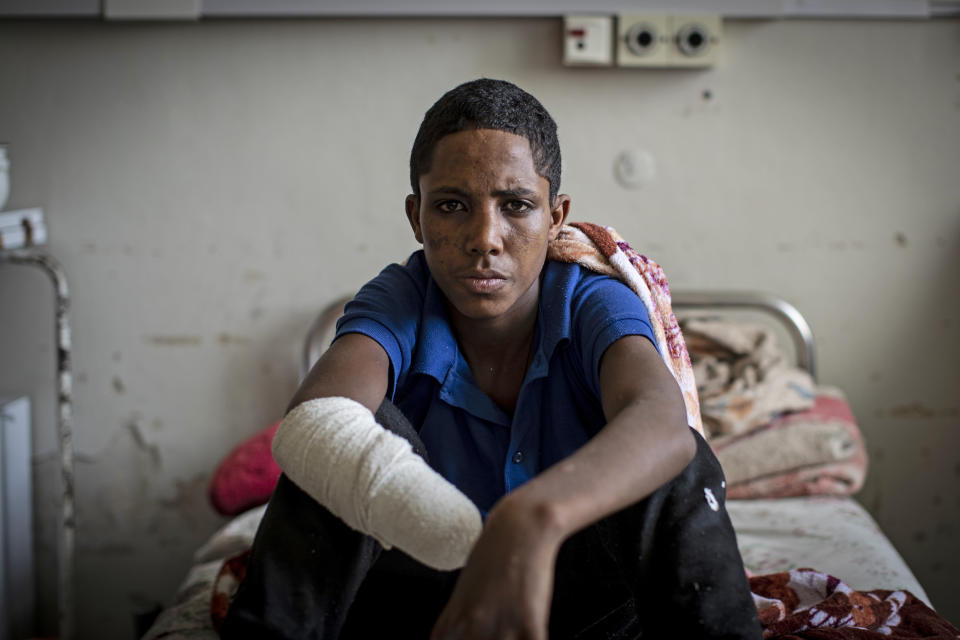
[{"x": 506, "y": 587}]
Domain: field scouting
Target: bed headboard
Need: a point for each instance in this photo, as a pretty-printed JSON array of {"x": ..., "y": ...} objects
[
  {"x": 322, "y": 330},
  {"x": 778, "y": 308}
]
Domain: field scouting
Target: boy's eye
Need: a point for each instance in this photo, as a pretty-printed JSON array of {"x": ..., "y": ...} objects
[
  {"x": 517, "y": 206},
  {"x": 449, "y": 206}
]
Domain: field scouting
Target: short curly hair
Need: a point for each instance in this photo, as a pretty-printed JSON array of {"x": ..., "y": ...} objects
[{"x": 489, "y": 104}]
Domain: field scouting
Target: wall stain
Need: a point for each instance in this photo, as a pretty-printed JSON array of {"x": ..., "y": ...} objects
[
  {"x": 109, "y": 548},
  {"x": 913, "y": 410},
  {"x": 227, "y": 339},
  {"x": 118, "y": 385},
  {"x": 189, "y": 500},
  {"x": 251, "y": 276},
  {"x": 173, "y": 340},
  {"x": 183, "y": 491},
  {"x": 141, "y": 442},
  {"x": 169, "y": 541},
  {"x": 900, "y": 238},
  {"x": 256, "y": 313}
]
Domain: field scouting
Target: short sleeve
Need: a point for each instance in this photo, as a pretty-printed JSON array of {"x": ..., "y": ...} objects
[
  {"x": 387, "y": 309},
  {"x": 605, "y": 310}
]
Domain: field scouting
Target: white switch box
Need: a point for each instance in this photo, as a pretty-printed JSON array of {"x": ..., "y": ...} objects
[{"x": 588, "y": 40}]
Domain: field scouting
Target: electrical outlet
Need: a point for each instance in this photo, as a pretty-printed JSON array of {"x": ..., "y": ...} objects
[
  {"x": 694, "y": 41},
  {"x": 667, "y": 41},
  {"x": 588, "y": 40},
  {"x": 642, "y": 40}
]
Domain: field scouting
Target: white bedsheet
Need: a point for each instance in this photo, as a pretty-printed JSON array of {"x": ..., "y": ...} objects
[{"x": 831, "y": 534}]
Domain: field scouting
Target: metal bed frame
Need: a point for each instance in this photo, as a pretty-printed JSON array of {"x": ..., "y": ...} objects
[{"x": 67, "y": 522}]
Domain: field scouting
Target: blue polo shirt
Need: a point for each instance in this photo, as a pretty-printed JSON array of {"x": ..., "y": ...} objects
[{"x": 471, "y": 441}]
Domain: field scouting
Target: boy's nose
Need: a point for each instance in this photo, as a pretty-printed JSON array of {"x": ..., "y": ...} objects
[{"x": 484, "y": 234}]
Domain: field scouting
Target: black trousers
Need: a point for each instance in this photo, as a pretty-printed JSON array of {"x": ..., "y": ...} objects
[{"x": 666, "y": 567}]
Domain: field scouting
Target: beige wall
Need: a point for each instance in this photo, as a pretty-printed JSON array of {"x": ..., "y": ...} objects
[{"x": 210, "y": 186}]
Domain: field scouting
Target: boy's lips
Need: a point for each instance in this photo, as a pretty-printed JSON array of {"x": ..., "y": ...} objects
[{"x": 486, "y": 281}]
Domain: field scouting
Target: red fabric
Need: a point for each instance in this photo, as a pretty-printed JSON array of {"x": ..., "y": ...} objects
[
  {"x": 247, "y": 476},
  {"x": 805, "y": 604}
]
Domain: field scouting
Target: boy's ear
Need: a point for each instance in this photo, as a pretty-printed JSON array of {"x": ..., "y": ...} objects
[
  {"x": 559, "y": 213},
  {"x": 412, "y": 206}
]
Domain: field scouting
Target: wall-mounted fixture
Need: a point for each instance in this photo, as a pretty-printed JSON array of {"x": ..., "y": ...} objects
[
  {"x": 588, "y": 40},
  {"x": 668, "y": 41}
]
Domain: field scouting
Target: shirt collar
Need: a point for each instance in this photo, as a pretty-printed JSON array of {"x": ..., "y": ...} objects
[{"x": 437, "y": 354}]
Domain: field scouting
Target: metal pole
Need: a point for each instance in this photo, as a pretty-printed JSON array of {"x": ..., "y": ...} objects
[{"x": 67, "y": 523}]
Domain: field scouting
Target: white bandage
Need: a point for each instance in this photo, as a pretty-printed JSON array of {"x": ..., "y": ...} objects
[{"x": 370, "y": 478}]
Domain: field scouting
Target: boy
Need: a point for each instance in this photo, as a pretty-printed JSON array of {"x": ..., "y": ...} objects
[{"x": 535, "y": 388}]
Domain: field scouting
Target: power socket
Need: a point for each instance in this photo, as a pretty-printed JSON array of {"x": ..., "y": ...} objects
[
  {"x": 642, "y": 41},
  {"x": 695, "y": 40},
  {"x": 668, "y": 41}
]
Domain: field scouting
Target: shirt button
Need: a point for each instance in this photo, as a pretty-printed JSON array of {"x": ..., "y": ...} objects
[{"x": 518, "y": 457}]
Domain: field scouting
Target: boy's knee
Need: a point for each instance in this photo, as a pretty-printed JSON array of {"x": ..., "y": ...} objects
[{"x": 704, "y": 471}]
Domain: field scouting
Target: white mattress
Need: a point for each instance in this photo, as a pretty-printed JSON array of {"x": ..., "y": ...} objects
[{"x": 834, "y": 535}]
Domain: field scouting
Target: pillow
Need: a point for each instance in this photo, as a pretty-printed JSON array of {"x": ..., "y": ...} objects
[{"x": 247, "y": 476}]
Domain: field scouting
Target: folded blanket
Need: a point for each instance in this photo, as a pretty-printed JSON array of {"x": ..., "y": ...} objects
[
  {"x": 744, "y": 379},
  {"x": 804, "y": 603},
  {"x": 601, "y": 249},
  {"x": 813, "y": 452}
]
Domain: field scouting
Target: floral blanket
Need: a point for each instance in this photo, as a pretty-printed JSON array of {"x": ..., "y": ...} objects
[
  {"x": 804, "y": 603},
  {"x": 601, "y": 249}
]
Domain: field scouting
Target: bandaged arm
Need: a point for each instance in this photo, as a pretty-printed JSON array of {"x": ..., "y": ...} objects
[{"x": 370, "y": 478}]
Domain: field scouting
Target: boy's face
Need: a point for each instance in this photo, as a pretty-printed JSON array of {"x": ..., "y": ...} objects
[{"x": 484, "y": 218}]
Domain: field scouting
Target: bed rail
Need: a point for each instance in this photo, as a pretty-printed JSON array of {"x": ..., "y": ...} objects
[{"x": 788, "y": 315}]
